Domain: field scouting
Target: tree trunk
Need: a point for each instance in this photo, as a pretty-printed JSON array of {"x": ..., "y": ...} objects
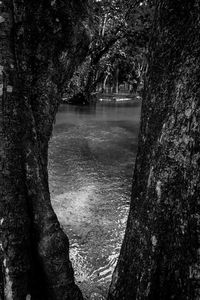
[
  {"x": 34, "y": 251},
  {"x": 91, "y": 82},
  {"x": 160, "y": 255},
  {"x": 117, "y": 81}
]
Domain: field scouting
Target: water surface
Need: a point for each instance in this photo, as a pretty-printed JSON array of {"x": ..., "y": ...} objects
[{"x": 91, "y": 160}]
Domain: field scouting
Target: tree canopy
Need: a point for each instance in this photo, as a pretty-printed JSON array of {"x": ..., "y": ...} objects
[{"x": 119, "y": 33}]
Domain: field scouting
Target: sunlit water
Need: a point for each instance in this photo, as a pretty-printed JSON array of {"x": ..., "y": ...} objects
[{"x": 91, "y": 160}]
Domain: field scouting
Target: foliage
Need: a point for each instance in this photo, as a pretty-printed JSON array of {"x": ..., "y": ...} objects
[{"x": 119, "y": 32}]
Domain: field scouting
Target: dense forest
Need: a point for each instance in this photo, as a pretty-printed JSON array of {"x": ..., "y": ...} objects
[{"x": 54, "y": 51}]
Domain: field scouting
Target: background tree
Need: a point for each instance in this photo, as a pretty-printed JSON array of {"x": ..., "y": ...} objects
[
  {"x": 106, "y": 23},
  {"x": 40, "y": 44},
  {"x": 159, "y": 258},
  {"x": 115, "y": 26}
]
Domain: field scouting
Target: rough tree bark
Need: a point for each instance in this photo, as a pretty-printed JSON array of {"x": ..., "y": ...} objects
[
  {"x": 36, "y": 39},
  {"x": 160, "y": 255}
]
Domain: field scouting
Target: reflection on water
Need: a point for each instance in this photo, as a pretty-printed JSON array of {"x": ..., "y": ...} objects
[{"x": 91, "y": 160}]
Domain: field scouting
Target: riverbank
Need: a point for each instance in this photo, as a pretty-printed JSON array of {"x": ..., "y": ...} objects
[
  {"x": 102, "y": 97},
  {"x": 118, "y": 98}
]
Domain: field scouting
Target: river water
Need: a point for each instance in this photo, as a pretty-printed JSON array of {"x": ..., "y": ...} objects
[{"x": 91, "y": 161}]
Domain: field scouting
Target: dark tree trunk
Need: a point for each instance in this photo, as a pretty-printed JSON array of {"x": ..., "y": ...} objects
[
  {"x": 86, "y": 96},
  {"x": 90, "y": 86},
  {"x": 34, "y": 251},
  {"x": 160, "y": 255}
]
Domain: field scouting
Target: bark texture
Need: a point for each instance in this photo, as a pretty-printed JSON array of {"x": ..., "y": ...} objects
[
  {"x": 39, "y": 49},
  {"x": 160, "y": 255}
]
